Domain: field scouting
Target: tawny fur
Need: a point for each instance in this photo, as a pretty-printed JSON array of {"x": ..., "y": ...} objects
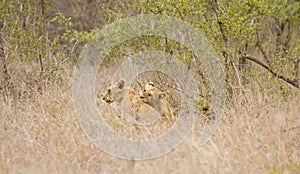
[
  {"x": 157, "y": 99},
  {"x": 130, "y": 102}
]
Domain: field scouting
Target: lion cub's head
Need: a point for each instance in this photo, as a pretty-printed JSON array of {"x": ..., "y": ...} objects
[
  {"x": 115, "y": 92},
  {"x": 152, "y": 96},
  {"x": 150, "y": 93},
  {"x": 157, "y": 99}
]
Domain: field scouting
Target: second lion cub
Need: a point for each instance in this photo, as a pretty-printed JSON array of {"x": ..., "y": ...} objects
[{"x": 157, "y": 99}]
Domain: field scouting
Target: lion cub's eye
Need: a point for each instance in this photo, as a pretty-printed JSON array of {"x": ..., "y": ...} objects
[
  {"x": 109, "y": 90},
  {"x": 149, "y": 95},
  {"x": 144, "y": 90}
]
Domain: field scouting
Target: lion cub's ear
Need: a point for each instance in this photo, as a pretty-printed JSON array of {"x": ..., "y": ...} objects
[
  {"x": 162, "y": 95},
  {"x": 120, "y": 84},
  {"x": 150, "y": 84}
]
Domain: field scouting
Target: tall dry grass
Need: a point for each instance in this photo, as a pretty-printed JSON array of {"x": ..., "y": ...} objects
[{"x": 258, "y": 134}]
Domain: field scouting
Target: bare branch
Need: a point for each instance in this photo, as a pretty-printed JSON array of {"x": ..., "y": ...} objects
[
  {"x": 261, "y": 49},
  {"x": 296, "y": 68},
  {"x": 289, "y": 34},
  {"x": 293, "y": 82}
]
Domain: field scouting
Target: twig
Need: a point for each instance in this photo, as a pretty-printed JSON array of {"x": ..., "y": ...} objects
[{"x": 258, "y": 44}]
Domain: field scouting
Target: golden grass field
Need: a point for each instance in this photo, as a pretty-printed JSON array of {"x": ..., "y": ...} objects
[
  {"x": 41, "y": 134},
  {"x": 47, "y": 45}
]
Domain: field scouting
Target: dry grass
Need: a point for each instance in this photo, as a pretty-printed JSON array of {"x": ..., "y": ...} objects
[{"x": 41, "y": 134}]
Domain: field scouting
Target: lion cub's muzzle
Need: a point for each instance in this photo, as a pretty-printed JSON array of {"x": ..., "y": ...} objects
[{"x": 107, "y": 99}]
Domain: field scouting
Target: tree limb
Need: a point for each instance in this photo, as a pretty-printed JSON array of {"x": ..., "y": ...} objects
[{"x": 293, "y": 82}]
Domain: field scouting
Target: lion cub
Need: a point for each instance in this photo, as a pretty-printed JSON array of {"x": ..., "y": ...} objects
[
  {"x": 131, "y": 103},
  {"x": 157, "y": 99}
]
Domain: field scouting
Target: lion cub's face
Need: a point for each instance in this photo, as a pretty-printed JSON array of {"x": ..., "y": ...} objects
[
  {"x": 114, "y": 93},
  {"x": 157, "y": 99},
  {"x": 152, "y": 95}
]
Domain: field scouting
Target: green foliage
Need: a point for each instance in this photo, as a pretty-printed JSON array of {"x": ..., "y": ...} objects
[
  {"x": 28, "y": 37},
  {"x": 266, "y": 29},
  {"x": 33, "y": 32},
  {"x": 238, "y": 17}
]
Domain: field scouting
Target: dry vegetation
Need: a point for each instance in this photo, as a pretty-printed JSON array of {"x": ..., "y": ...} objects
[
  {"x": 41, "y": 134},
  {"x": 39, "y": 131}
]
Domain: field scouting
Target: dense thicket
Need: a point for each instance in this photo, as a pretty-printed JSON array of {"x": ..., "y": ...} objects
[{"x": 258, "y": 41}]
